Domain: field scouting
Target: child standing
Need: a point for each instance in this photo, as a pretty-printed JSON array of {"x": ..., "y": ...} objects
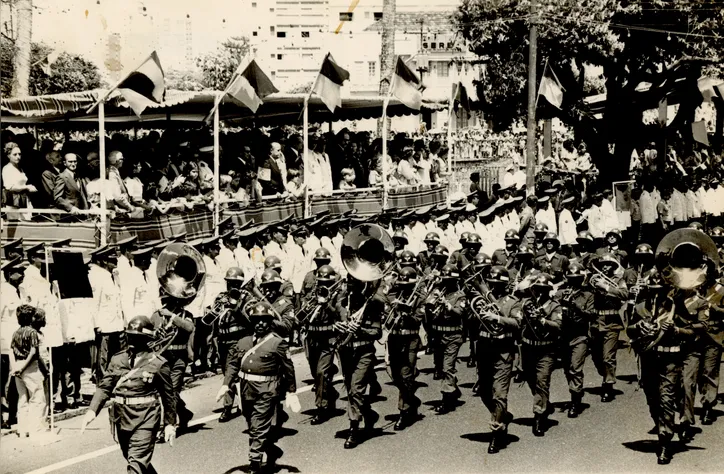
[{"x": 29, "y": 371}]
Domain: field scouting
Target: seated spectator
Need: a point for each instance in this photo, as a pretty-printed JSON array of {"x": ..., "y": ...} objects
[
  {"x": 347, "y": 182},
  {"x": 295, "y": 186}
]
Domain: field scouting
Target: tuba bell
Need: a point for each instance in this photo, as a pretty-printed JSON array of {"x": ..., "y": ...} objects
[
  {"x": 685, "y": 258},
  {"x": 180, "y": 271},
  {"x": 367, "y": 251}
]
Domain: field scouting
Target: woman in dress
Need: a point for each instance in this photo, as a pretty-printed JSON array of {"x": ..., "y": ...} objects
[{"x": 15, "y": 181}]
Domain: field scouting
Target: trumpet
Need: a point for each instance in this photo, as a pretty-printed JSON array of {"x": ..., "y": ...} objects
[{"x": 482, "y": 304}]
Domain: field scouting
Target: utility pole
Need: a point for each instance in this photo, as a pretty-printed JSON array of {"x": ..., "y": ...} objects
[
  {"x": 531, "y": 149},
  {"x": 387, "y": 54}
]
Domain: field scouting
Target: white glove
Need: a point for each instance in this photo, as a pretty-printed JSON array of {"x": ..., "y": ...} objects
[
  {"x": 292, "y": 402},
  {"x": 87, "y": 419},
  {"x": 169, "y": 434},
  {"x": 222, "y": 391}
]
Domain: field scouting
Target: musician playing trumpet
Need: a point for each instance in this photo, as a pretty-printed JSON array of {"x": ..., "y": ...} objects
[
  {"x": 609, "y": 294},
  {"x": 444, "y": 309},
  {"x": 500, "y": 322},
  {"x": 541, "y": 325}
]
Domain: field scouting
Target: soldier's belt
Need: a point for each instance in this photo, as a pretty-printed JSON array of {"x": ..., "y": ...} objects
[
  {"x": 258, "y": 378},
  {"x": 320, "y": 328},
  {"x": 606, "y": 312},
  {"x": 176, "y": 347},
  {"x": 134, "y": 400},
  {"x": 404, "y": 332},
  {"x": 360, "y": 343},
  {"x": 531, "y": 342},
  {"x": 488, "y": 335},
  {"x": 230, "y": 330},
  {"x": 668, "y": 349},
  {"x": 447, "y": 328}
]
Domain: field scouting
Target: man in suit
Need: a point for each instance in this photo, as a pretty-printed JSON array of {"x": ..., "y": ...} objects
[
  {"x": 294, "y": 152},
  {"x": 47, "y": 179},
  {"x": 69, "y": 191},
  {"x": 276, "y": 179}
]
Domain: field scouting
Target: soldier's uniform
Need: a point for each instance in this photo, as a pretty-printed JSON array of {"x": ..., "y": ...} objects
[
  {"x": 287, "y": 323},
  {"x": 578, "y": 313},
  {"x": 711, "y": 355},
  {"x": 554, "y": 264},
  {"x": 134, "y": 386},
  {"x": 267, "y": 372}
]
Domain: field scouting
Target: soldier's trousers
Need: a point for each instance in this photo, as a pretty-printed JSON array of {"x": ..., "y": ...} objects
[
  {"x": 709, "y": 373},
  {"x": 689, "y": 376},
  {"x": 108, "y": 344},
  {"x": 574, "y": 357},
  {"x": 449, "y": 344},
  {"x": 137, "y": 447},
  {"x": 661, "y": 379},
  {"x": 495, "y": 370},
  {"x": 178, "y": 371},
  {"x": 224, "y": 348},
  {"x": 605, "y": 345},
  {"x": 259, "y": 401},
  {"x": 356, "y": 365},
  {"x": 537, "y": 368},
  {"x": 320, "y": 355},
  {"x": 402, "y": 351}
]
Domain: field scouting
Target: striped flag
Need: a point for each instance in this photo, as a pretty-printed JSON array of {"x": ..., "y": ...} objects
[
  {"x": 406, "y": 85},
  {"x": 145, "y": 86},
  {"x": 250, "y": 86},
  {"x": 551, "y": 88},
  {"x": 328, "y": 85},
  {"x": 46, "y": 64}
]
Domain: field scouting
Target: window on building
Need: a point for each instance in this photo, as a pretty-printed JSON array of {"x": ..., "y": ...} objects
[
  {"x": 305, "y": 34},
  {"x": 253, "y": 4},
  {"x": 372, "y": 68},
  {"x": 440, "y": 68},
  {"x": 253, "y": 33},
  {"x": 271, "y": 29},
  {"x": 281, "y": 34},
  {"x": 378, "y": 16},
  {"x": 345, "y": 16},
  {"x": 280, "y": 57},
  {"x": 271, "y": 10}
]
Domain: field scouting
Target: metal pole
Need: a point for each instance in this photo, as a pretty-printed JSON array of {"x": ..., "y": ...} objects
[
  {"x": 102, "y": 156},
  {"x": 305, "y": 158},
  {"x": 217, "y": 196},
  {"x": 51, "y": 392},
  {"x": 532, "y": 82},
  {"x": 385, "y": 186}
]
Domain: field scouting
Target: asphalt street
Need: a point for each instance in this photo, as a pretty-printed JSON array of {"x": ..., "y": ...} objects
[{"x": 610, "y": 437}]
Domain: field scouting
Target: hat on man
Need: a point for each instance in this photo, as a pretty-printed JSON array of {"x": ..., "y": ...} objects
[
  {"x": 13, "y": 264},
  {"x": 140, "y": 254},
  {"x": 15, "y": 246},
  {"x": 543, "y": 199},
  {"x": 180, "y": 237},
  {"x": 487, "y": 211},
  {"x": 153, "y": 243},
  {"x": 210, "y": 240},
  {"x": 61, "y": 243},
  {"x": 103, "y": 252},
  {"x": 567, "y": 199},
  {"x": 37, "y": 250},
  {"x": 471, "y": 208},
  {"x": 127, "y": 242},
  {"x": 229, "y": 235},
  {"x": 443, "y": 218},
  {"x": 226, "y": 222}
]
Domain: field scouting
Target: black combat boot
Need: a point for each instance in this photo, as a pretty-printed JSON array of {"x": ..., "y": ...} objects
[
  {"x": 353, "y": 437},
  {"x": 320, "y": 416},
  {"x": 495, "y": 442},
  {"x": 607, "y": 393},
  {"x": 574, "y": 409},
  {"x": 538, "y": 422},
  {"x": 664, "y": 456},
  {"x": 707, "y": 415}
]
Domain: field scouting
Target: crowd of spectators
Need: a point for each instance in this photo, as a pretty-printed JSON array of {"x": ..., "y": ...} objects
[{"x": 173, "y": 171}]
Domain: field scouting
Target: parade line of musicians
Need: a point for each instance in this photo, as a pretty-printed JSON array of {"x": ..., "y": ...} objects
[{"x": 520, "y": 307}]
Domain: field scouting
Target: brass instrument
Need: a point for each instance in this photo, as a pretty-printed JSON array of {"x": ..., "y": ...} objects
[
  {"x": 367, "y": 253},
  {"x": 401, "y": 307},
  {"x": 599, "y": 275},
  {"x": 181, "y": 273},
  {"x": 487, "y": 303},
  {"x": 221, "y": 308},
  {"x": 322, "y": 295}
]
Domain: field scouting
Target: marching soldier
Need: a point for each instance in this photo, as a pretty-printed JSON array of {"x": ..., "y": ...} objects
[
  {"x": 539, "y": 231},
  {"x": 711, "y": 352},
  {"x": 455, "y": 256},
  {"x": 444, "y": 309},
  {"x": 437, "y": 261},
  {"x": 432, "y": 240},
  {"x": 609, "y": 294},
  {"x": 361, "y": 307},
  {"x": 319, "y": 343},
  {"x": 464, "y": 262},
  {"x": 506, "y": 256},
  {"x": 583, "y": 252},
  {"x": 578, "y": 313},
  {"x": 499, "y": 322},
  {"x": 552, "y": 262},
  {"x": 263, "y": 364},
  {"x": 285, "y": 323},
  {"x": 321, "y": 258},
  {"x": 274, "y": 263},
  {"x": 232, "y": 324},
  {"x": 541, "y": 325},
  {"x": 138, "y": 384},
  {"x": 613, "y": 243},
  {"x": 403, "y": 344},
  {"x": 638, "y": 275}
]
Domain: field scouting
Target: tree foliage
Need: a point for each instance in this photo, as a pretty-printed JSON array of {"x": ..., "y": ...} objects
[
  {"x": 615, "y": 36},
  {"x": 69, "y": 72},
  {"x": 217, "y": 67},
  {"x": 183, "y": 80}
]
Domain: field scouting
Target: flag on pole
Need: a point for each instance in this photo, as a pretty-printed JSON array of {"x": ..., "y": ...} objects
[
  {"x": 48, "y": 62},
  {"x": 460, "y": 96},
  {"x": 250, "y": 86},
  {"x": 406, "y": 85},
  {"x": 698, "y": 131},
  {"x": 328, "y": 85},
  {"x": 145, "y": 86},
  {"x": 551, "y": 88}
]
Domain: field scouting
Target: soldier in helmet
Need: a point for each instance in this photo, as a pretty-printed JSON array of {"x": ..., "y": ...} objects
[
  {"x": 717, "y": 235},
  {"x": 438, "y": 259},
  {"x": 444, "y": 309},
  {"x": 232, "y": 324},
  {"x": 552, "y": 262},
  {"x": 578, "y": 312},
  {"x": 138, "y": 384},
  {"x": 499, "y": 325},
  {"x": 471, "y": 248},
  {"x": 403, "y": 344},
  {"x": 401, "y": 241},
  {"x": 609, "y": 293},
  {"x": 263, "y": 364},
  {"x": 455, "y": 256},
  {"x": 321, "y": 258},
  {"x": 539, "y": 231},
  {"x": 274, "y": 263},
  {"x": 523, "y": 265},
  {"x": 432, "y": 240},
  {"x": 541, "y": 324},
  {"x": 640, "y": 272},
  {"x": 583, "y": 251},
  {"x": 506, "y": 256},
  {"x": 613, "y": 246},
  {"x": 319, "y": 343},
  {"x": 285, "y": 323}
]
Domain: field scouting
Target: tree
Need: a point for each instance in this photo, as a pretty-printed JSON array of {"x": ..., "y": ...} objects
[
  {"x": 301, "y": 88},
  {"x": 183, "y": 80},
  {"x": 70, "y": 72},
  {"x": 218, "y": 67},
  {"x": 21, "y": 63},
  {"x": 619, "y": 37}
]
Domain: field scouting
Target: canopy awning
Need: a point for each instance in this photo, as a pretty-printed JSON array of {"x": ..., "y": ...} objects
[{"x": 193, "y": 107}]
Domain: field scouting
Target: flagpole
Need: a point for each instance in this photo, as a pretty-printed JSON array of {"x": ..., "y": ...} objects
[
  {"x": 51, "y": 392},
  {"x": 102, "y": 153},
  {"x": 449, "y": 128},
  {"x": 110, "y": 91},
  {"x": 305, "y": 158},
  {"x": 236, "y": 74},
  {"x": 385, "y": 184},
  {"x": 217, "y": 197},
  {"x": 311, "y": 91}
]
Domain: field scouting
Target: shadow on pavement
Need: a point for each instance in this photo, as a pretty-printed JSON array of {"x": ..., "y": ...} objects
[
  {"x": 267, "y": 469},
  {"x": 650, "y": 446},
  {"x": 629, "y": 378},
  {"x": 487, "y": 437}
]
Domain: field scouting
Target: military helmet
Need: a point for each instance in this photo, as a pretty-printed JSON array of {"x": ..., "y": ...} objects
[
  {"x": 474, "y": 240},
  {"x": 326, "y": 274},
  {"x": 407, "y": 258},
  {"x": 272, "y": 262},
  {"x": 717, "y": 233},
  {"x": 441, "y": 251},
  {"x": 407, "y": 276},
  {"x": 644, "y": 249},
  {"x": 464, "y": 237},
  {"x": 482, "y": 260},
  {"x": 322, "y": 254},
  {"x": 576, "y": 270},
  {"x": 540, "y": 228},
  {"x": 142, "y": 326},
  {"x": 401, "y": 236},
  {"x": 270, "y": 277},
  {"x": 543, "y": 280},
  {"x": 512, "y": 235},
  {"x": 261, "y": 310},
  {"x": 498, "y": 274},
  {"x": 432, "y": 238},
  {"x": 696, "y": 225},
  {"x": 584, "y": 236},
  {"x": 449, "y": 272},
  {"x": 234, "y": 274}
]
